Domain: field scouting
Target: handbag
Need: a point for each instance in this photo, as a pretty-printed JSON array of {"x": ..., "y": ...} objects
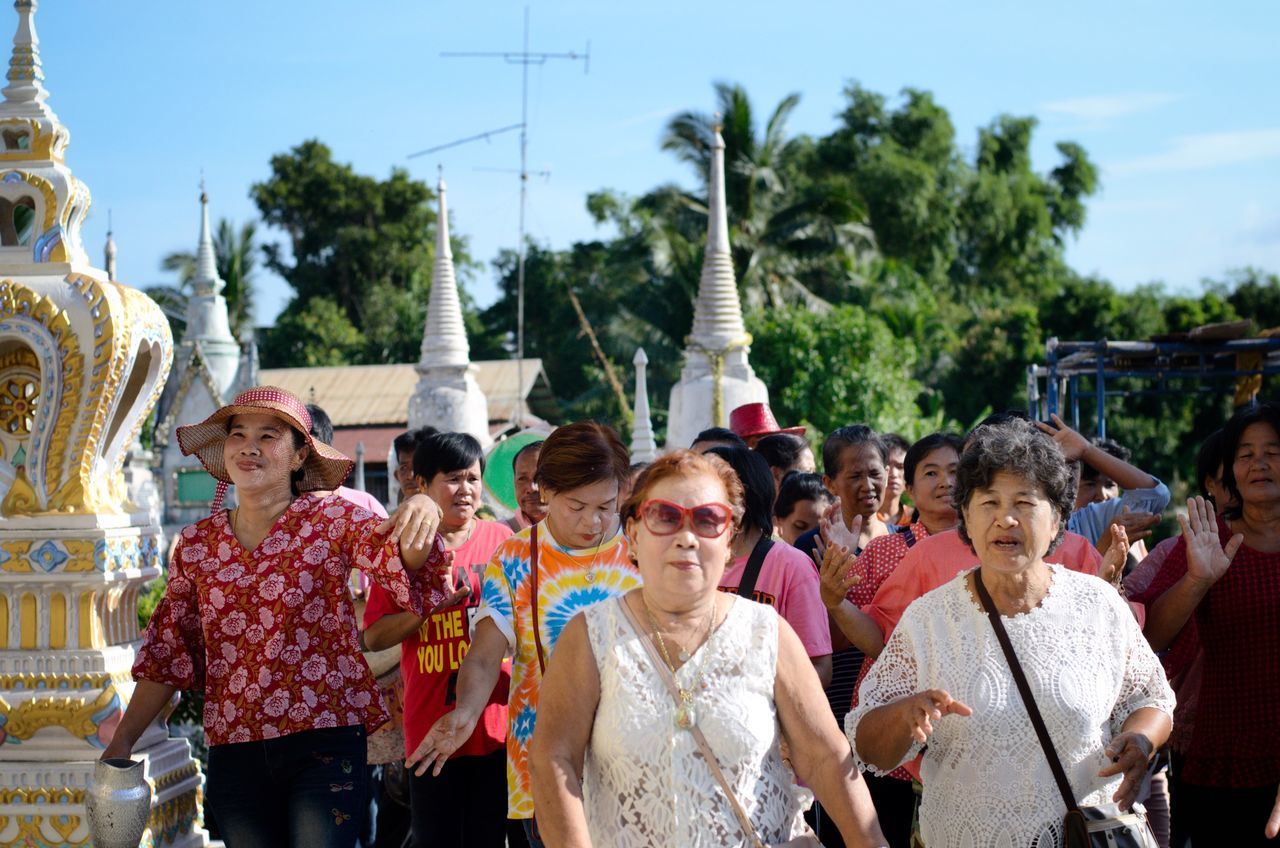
[
  {"x": 1103, "y": 826},
  {"x": 805, "y": 840}
]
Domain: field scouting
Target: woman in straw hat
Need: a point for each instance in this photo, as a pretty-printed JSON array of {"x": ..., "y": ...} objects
[{"x": 257, "y": 613}]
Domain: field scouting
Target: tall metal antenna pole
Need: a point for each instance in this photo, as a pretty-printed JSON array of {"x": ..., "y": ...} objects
[{"x": 524, "y": 58}]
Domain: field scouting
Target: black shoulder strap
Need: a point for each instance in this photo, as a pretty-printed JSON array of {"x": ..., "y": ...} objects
[
  {"x": 909, "y": 537},
  {"x": 1024, "y": 689},
  {"x": 751, "y": 573}
]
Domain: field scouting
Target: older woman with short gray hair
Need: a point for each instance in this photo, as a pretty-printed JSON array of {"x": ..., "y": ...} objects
[{"x": 943, "y": 679}]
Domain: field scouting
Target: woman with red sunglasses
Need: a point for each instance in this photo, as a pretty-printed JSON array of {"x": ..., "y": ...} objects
[{"x": 663, "y": 709}]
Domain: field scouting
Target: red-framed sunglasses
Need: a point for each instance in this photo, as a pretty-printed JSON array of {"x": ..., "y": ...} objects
[{"x": 664, "y": 518}]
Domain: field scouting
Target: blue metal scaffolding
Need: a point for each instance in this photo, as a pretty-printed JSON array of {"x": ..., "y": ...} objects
[{"x": 1168, "y": 367}]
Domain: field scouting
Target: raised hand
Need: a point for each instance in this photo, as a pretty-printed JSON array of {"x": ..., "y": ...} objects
[
  {"x": 1116, "y": 555},
  {"x": 1072, "y": 444},
  {"x": 1207, "y": 559},
  {"x": 838, "y": 577},
  {"x": 833, "y": 530},
  {"x": 924, "y": 708},
  {"x": 1273, "y": 821},
  {"x": 1130, "y": 753},
  {"x": 1136, "y": 524}
]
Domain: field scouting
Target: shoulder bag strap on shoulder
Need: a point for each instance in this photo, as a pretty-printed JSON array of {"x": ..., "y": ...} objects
[
  {"x": 1024, "y": 689},
  {"x": 751, "y": 574},
  {"x": 704, "y": 748},
  {"x": 533, "y": 597}
]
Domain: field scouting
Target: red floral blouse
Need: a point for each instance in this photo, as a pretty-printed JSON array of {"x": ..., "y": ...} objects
[{"x": 270, "y": 634}]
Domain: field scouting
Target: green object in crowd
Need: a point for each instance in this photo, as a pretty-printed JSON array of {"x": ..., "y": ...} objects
[{"x": 499, "y": 476}]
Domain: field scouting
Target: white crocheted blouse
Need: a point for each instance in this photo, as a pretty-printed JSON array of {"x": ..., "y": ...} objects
[
  {"x": 645, "y": 784},
  {"x": 986, "y": 779}
]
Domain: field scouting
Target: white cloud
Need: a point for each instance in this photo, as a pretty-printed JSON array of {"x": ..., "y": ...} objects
[
  {"x": 1206, "y": 150},
  {"x": 1108, "y": 106}
]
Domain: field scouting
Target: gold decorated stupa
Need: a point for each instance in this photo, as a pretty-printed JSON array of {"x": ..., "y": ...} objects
[{"x": 83, "y": 360}]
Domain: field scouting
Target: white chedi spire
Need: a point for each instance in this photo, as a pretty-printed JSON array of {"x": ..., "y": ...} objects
[
  {"x": 25, "y": 92},
  {"x": 109, "y": 252},
  {"x": 206, "y": 280},
  {"x": 643, "y": 446},
  {"x": 447, "y": 395},
  {"x": 717, "y": 313},
  {"x": 444, "y": 340}
]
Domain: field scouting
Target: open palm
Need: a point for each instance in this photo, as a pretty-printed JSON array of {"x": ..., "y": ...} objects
[{"x": 1207, "y": 559}]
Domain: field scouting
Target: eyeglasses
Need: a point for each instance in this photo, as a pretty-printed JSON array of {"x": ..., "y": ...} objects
[{"x": 663, "y": 518}]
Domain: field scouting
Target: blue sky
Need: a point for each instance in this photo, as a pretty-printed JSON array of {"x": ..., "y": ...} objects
[{"x": 1174, "y": 100}]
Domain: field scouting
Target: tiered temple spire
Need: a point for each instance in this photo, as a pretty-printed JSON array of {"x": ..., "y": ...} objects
[
  {"x": 444, "y": 341},
  {"x": 643, "y": 446},
  {"x": 717, "y": 313}
]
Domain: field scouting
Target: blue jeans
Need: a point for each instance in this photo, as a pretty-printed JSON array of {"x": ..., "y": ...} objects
[
  {"x": 531, "y": 833},
  {"x": 307, "y": 789}
]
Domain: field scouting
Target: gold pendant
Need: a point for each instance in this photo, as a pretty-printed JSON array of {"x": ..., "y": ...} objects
[{"x": 685, "y": 717}]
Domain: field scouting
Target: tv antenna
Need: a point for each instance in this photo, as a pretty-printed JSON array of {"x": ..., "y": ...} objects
[{"x": 524, "y": 58}]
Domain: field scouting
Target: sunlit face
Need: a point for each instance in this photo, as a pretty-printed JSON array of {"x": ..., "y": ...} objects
[
  {"x": 259, "y": 452},
  {"x": 457, "y": 493},
  {"x": 895, "y": 483},
  {"x": 935, "y": 480},
  {"x": 405, "y": 478},
  {"x": 1257, "y": 464},
  {"x": 803, "y": 518},
  {"x": 585, "y": 516},
  {"x": 527, "y": 494},
  {"x": 1011, "y": 523},
  {"x": 682, "y": 567},
  {"x": 859, "y": 482}
]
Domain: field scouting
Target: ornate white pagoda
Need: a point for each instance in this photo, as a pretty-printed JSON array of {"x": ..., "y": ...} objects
[
  {"x": 643, "y": 446},
  {"x": 716, "y": 377},
  {"x": 447, "y": 395},
  {"x": 209, "y": 370},
  {"x": 82, "y": 361}
]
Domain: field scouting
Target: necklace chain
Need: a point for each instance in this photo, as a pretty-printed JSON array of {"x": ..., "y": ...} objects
[{"x": 685, "y": 715}]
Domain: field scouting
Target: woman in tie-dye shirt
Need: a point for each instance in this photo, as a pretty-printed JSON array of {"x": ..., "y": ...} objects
[{"x": 581, "y": 558}]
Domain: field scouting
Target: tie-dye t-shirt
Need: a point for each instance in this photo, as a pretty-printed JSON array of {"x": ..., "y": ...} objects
[{"x": 569, "y": 581}]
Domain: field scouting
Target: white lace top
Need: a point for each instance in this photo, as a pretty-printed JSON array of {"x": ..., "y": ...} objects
[
  {"x": 645, "y": 784},
  {"x": 986, "y": 779}
]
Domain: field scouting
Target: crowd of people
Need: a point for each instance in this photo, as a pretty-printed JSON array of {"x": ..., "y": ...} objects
[{"x": 958, "y": 641}]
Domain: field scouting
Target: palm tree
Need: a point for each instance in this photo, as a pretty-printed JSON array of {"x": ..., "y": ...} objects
[
  {"x": 793, "y": 238},
  {"x": 235, "y": 254}
]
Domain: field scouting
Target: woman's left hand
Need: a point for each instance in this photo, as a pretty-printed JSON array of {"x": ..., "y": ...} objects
[
  {"x": 1273, "y": 823},
  {"x": 1130, "y": 754},
  {"x": 1117, "y": 554},
  {"x": 414, "y": 523}
]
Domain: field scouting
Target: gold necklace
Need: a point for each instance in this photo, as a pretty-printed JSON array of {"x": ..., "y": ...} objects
[{"x": 686, "y": 714}]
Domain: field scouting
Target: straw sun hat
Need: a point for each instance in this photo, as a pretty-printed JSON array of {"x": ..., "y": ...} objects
[{"x": 324, "y": 467}]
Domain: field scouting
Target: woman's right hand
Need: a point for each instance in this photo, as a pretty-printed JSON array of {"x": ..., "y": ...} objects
[
  {"x": 924, "y": 708},
  {"x": 1207, "y": 560}
]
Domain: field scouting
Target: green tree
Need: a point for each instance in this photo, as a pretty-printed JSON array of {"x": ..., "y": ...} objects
[
  {"x": 361, "y": 244},
  {"x": 840, "y": 367},
  {"x": 317, "y": 333}
]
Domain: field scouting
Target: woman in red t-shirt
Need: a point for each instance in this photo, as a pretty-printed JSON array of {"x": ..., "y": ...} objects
[{"x": 466, "y": 805}]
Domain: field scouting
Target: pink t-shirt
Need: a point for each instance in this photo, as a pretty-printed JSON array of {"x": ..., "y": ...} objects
[
  {"x": 937, "y": 559},
  {"x": 789, "y": 583},
  {"x": 359, "y": 580}
]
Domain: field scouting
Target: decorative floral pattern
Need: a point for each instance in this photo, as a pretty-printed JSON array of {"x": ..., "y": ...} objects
[{"x": 270, "y": 634}]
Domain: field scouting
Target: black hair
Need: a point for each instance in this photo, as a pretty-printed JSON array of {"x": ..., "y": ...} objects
[
  {"x": 999, "y": 419},
  {"x": 321, "y": 426},
  {"x": 781, "y": 450},
  {"x": 849, "y": 436},
  {"x": 1210, "y": 460},
  {"x": 892, "y": 442},
  {"x": 635, "y": 467},
  {"x": 407, "y": 442},
  {"x": 443, "y": 453},
  {"x": 799, "y": 486},
  {"x": 532, "y": 446},
  {"x": 921, "y": 449},
  {"x": 1266, "y": 412},
  {"x": 719, "y": 434},
  {"x": 1111, "y": 446},
  {"x": 757, "y": 483},
  {"x": 1016, "y": 447}
]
